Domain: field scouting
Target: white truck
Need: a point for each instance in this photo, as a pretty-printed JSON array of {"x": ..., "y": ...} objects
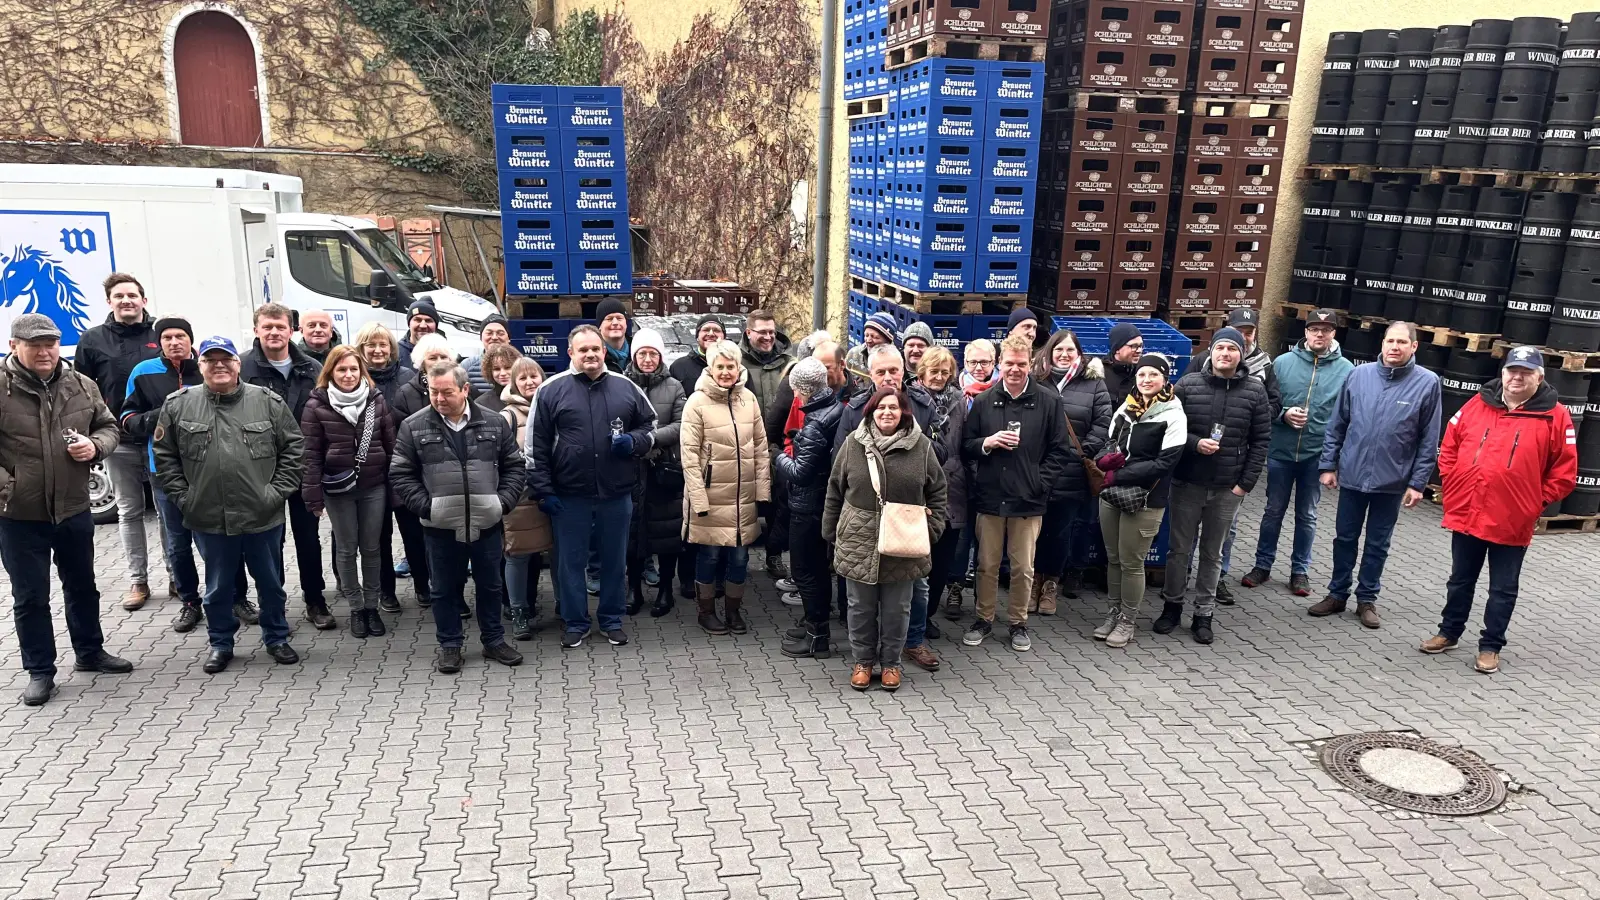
[{"x": 207, "y": 244}]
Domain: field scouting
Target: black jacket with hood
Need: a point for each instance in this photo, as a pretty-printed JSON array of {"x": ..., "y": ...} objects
[{"x": 107, "y": 354}]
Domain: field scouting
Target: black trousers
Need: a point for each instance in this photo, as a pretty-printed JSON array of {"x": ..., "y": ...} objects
[
  {"x": 809, "y": 567},
  {"x": 416, "y": 545},
  {"x": 307, "y": 549}
]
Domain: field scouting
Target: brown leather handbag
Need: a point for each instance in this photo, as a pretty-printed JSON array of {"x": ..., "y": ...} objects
[{"x": 1097, "y": 478}]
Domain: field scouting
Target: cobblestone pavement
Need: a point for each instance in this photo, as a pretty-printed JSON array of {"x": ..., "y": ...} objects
[{"x": 716, "y": 767}]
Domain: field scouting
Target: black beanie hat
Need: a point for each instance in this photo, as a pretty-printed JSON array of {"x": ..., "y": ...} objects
[
  {"x": 708, "y": 317},
  {"x": 423, "y": 308},
  {"x": 165, "y": 322},
  {"x": 1155, "y": 361},
  {"x": 608, "y": 306},
  {"x": 491, "y": 319},
  {"x": 1121, "y": 334},
  {"x": 1019, "y": 315}
]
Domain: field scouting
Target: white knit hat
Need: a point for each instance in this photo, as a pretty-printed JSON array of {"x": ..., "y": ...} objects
[{"x": 647, "y": 337}]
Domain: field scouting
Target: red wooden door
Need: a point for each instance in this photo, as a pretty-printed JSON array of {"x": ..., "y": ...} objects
[{"x": 215, "y": 65}]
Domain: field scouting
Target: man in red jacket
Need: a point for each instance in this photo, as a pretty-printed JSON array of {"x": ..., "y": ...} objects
[{"x": 1509, "y": 453}]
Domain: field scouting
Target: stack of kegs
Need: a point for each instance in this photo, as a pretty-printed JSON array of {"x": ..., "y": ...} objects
[
  {"x": 1342, "y": 246},
  {"x": 1411, "y": 253},
  {"x": 1452, "y": 227},
  {"x": 1585, "y": 501},
  {"x": 1461, "y": 377},
  {"x": 1527, "y": 72},
  {"x": 1333, "y": 98},
  {"x": 1476, "y": 91},
  {"x": 1575, "y": 314},
  {"x": 1563, "y": 143},
  {"x": 1486, "y": 268},
  {"x": 1404, "y": 103},
  {"x": 1438, "y": 95},
  {"x": 1369, "y": 90},
  {"x": 1536, "y": 274},
  {"x": 1370, "y": 284},
  {"x": 1361, "y": 345},
  {"x": 1309, "y": 252}
]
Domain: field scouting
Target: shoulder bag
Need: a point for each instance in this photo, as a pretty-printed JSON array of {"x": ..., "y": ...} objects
[
  {"x": 346, "y": 481},
  {"x": 1097, "y": 478},
  {"x": 902, "y": 527}
]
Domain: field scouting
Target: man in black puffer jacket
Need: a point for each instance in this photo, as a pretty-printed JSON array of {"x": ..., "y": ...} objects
[
  {"x": 1230, "y": 426},
  {"x": 804, "y": 475}
]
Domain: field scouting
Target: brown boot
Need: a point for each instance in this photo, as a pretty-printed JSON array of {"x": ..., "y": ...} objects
[
  {"x": 1047, "y": 596},
  {"x": 1033, "y": 597},
  {"x": 705, "y": 597},
  {"x": 137, "y": 596},
  {"x": 733, "y": 598},
  {"x": 861, "y": 676},
  {"x": 1369, "y": 614},
  {"x": 1327, "y": 606}
]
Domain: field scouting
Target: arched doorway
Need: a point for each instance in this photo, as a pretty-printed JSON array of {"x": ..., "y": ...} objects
[{"x": 214, "y": 65}]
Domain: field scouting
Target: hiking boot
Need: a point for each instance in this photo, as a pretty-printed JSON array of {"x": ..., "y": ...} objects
[
  {"x": 389, "y": 604},
  {"x": 1020, "y": 642},
  {"x": 1168, "y": 620},
  {"x": 733, "y": 599},
  {"x": 1256, "y": 577},
  {"x": 1071, "y": 584},
  {"x": 1327, "y": 606},
  {"x": 246, "y": 612},
  {"x": 358, "y": 623},
  {"x": 317, "y": 613},
  {"x": 521, "y": 625},
  {"x": 952, "y": 603},
  {"x": 1437, "y": 644},
  {"x": 375, "y": 627},
  {"x": 1300, "y": 585},
  {"x": 1488, "y": 662},
  {"x": 811, "y": 643},
  {"x": 705, "y": 597},
  {"x": 39, "y": 690},
  {"x": 189, "y": 615},
  {"x": 860, "y": 677},
  {"x": 776, "y": 567},
  {"x": 448, "y": 661},
  {"x": 1033, "y": 596},
  {"x": 1224, "y": 596},
  {"x": 503, "y": 653},
  {"x": 1368, "y": 613},
  {"x": 981, "y": 628},
  {"x": 1104, "y": 629},
  {"x": 922, "y": 657},
  {"x": 137, "y": 596},
  {"x": 1122, "y": 633},
  {"x": 1047, "y": 597},
  {"x": 1200, "y": 627},
  {"x": 890, "y": 679}
]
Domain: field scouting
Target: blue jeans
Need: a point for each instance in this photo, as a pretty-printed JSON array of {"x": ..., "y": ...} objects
[
  {"x": 25, "y": 548},
  {"x": 583, "y": 523},
  {"x": 262, "y": 554},
  {"x": 1284, "y": 478},
  {"x": 448, "y": 560},
  {"x": 917, "y": 631},
  {"x": 1505, "y": 569},
  {"x": 733, "y": 561},
  {"x": 179, "y": 545},
  {"x": 1379, "y": 512}
]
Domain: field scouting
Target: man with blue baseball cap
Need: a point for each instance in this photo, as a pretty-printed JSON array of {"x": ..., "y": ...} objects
[{"x": 228, "y": 454}]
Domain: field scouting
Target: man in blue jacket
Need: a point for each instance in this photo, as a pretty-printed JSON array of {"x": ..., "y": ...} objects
[
  {"x": 588, "y": 430},
  {"x": 1309, "y": 377},
  {"x": 1379, "y": 451}
]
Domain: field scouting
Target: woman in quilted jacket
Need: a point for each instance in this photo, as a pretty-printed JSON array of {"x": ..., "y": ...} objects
[
  {"x": 528, "y": 533},
  {"x": 726, "y": 471},
  {"x": 887, "y": 459}
]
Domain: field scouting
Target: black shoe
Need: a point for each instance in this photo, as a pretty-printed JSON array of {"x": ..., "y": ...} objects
[
  {"x": 636, "y": 605},
  {"x": 424, "y": 601},
  {"x": 811, "y": 643},
  {"x": 389, "y": 604},
  {"x": 1200, "y": 626},
  {"x": 103, "y": 662},
  {"x": 776, "y": 568},
  {"x": 1224, "y": 596},
  {"x": 39, "y": 690},
  {"x": 217, "y": 661},
  {"x": 1253, "y": 578},
  {"x": 503, "y": 653},
  {"x": 665, "y": 601},
  {"x": 571, "y": 640},
  {"x": 448, "y": 662},
  {"x": 358, "y": 623},
  {"x": 375, "y": 626},
  {"x": 283, "y": 654},
  {"x": 932, "y": 632},
  {"x": 246, "y": 612},
  {"x": 617, "y": 637},
  {"x": 190, "y": 615},
  {"x": 1071, "y": 584},
  {"x": 521, "y": 625},
  {"x": 1168, "y": 620}
]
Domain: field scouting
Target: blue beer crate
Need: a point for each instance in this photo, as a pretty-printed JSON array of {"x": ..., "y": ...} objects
[
  {"x": 940, "y": 159},
  {"x": 546, "y": 94},
  {"x": 589, "y": 95},
  {"x": 949, "y": 332},
  {"x": 524, "y": 106},
  {"x": 986, "y": 326},
  {"x": 543, "y": 340},
  {"x": 596, "y": 194},
  {"x": 529, "y": 193},
  {"x": 930, "y": 234},
  {"x": 1008, "y": 238},
  {"x": 533, "y": 150},
  {"x": 536, "y": 273},
  {"x": 1010, "y": 161},
  {"x": 589, "y": 116},
  {"x": 1001, "y": 274},
  {"x": 956, "y": 120},
  {"x": 602, "y": 233},
  {"x": 940, "y": 79},
  {"x": 594, "y": 152},
  {"x": 600, "y": 273},
  {"x": 543, "y": 233},
  {"x": 1011, "y": 82},
  {"x": 856, "y": 311},
  {"x": 947, "y": 198},
  {"x": 1018, "y": 122},
  {"x": 1012, "y": 199},
  {"x": 916, "y": 270}
]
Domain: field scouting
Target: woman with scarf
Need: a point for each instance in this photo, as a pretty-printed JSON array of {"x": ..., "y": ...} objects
[
  {"x": 527, "y": 529},
  {"x": 887, "y": 459},
  {"x": 349, "y": 439},
  {"x": 381, "y": 352},
  {"x": 1059, "y": 555},
  {"x": 1148, "y": 433},
  {"x": 937, "y": 374},
  {"x": 658, "y": 494}
]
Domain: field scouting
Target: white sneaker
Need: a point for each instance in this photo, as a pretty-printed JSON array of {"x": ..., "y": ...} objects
[
  {"x": 787, "y": 585},
  {"x": 790, "y": 598}
]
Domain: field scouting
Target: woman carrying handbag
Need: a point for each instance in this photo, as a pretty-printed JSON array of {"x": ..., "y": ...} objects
[
  {"x": 885, "y": 510},
  {"x": 1065, "y": 536}
]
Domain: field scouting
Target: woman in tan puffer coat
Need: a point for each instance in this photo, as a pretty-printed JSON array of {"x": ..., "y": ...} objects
[
  {"x": 527, "y": 529},
  {"x": 726, "y": 472}
]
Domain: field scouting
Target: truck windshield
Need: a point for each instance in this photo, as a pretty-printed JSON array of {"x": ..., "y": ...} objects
[{"x": 394, "y": 259}]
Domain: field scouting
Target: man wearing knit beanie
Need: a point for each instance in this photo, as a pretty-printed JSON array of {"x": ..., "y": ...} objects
[
  {"x": 495, "y": 330},
  {"x": 914, "y": 342},
  {"x": 611, "y": 317},
  {"x": 1230, "y": 427},
  {"x": 1025, "y": 322},
  {"x": 688, "y": 367},
  {"x": 421, "y": 318},
  {"x": 1122, "y": 360},
  {"x": 879, "y": 330}
]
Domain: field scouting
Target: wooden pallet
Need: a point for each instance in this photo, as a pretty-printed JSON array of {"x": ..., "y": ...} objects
[
  {"x": 1080, "y": 98},
  {"x": 1197, "y": 320},
  {"x": 1564, "y": 183},
  {"x": 867, "y": 106},
  {"x": 577, "y": 306},
  {"x": 1475, "y": 177},
  {"x": 1567, "y": 525},
  {"x": 1437, "y": 335},
  {"x": 952, "y": 304},
  {"x": 987, "y": 47},
  {"x": 1337, "y": 173},
  {"x": 1565, "y": 360},
  {"x": 1240, "y": 108}
]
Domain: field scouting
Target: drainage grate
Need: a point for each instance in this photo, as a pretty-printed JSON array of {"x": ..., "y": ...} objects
[{"x": 1414, "y": 773}]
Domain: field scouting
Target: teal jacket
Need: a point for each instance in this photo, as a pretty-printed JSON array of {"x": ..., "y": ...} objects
[{"x": 1311, "y": 383}]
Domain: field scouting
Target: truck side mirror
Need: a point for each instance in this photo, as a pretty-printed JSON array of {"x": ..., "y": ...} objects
[{"x": 380, "y": 290}]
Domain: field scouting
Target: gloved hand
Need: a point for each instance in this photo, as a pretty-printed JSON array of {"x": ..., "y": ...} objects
[
  {"x": 1111, "y": 478},
  {"x": 622, "y": 445},
  {"x": 551, "y": 505},
  {"x": 1111, "y": 461}
]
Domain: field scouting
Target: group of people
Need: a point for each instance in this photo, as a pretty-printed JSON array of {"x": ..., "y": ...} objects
[{"x": 883, "y": 472}]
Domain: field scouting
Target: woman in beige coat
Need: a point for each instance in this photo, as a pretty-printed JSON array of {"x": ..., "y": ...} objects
[
  {"x": 726, "y": 472},
  {"x": 527, "y": 528}
]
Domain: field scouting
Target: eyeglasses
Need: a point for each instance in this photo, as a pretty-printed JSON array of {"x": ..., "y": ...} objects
[
  {"x": 217, "y": 360},
  {"x": 764, "y": 332}
]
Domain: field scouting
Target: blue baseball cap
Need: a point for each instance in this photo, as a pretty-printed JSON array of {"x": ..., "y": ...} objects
[
  {"x": 218, "y": 342},
  {"x": 1525, "y": 358}
]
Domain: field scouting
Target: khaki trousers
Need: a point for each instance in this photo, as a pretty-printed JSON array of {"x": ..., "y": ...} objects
[{"x": 995, "y": 535}]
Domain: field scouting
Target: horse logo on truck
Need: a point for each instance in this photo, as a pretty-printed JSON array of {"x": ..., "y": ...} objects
[{"x": 46, "y": 258}]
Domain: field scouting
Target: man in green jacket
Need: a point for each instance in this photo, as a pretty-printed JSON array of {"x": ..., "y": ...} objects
[
  {"x": 1309, "y": 378},
  {"x": 227, "y": 455},
  {"x": 54, "y": 426}
]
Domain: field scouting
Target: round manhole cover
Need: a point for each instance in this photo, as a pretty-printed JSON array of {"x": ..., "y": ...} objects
[{"x": 1414, "y": 773}]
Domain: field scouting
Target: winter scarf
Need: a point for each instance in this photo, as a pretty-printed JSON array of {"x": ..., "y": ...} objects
[
  {"x": 1139, "y": 404},
  {"x": 352, "y": 404}
]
